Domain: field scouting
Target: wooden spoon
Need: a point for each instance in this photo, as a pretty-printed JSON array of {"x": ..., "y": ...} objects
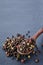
[{"x": 34, "y": 37}]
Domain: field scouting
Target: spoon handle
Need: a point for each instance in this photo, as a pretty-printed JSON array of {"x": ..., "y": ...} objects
[{"x": 37, "y": 34}]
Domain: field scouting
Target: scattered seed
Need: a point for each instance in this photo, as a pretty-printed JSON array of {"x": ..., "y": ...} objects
[
  {"x": 22, "y": 60},
  {"x": 29, "y": 56},
  {"x": 28, "y": 31},
  {"x": 7, "y": 54},
  {"x": 33, "y": 52},
  {"x": 36, "y": 60},
  {"x": 12, "y": 36},
  {"x": 26, "y": 34},
  {"x": 18, "y": 34}
]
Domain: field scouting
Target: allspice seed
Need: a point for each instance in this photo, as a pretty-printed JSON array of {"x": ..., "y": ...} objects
[
  {"x": 12, "y": 36},
  {"x": 26, "y": 34},
  {"x": 36, "y": 60},
  {"x": 28, "y": 31},
  {"x": 33, "y": 52},
  {"x": 20, "y": 49},
  {"x": 28, "y": 56},
  {"x": 27, "y": 44},
  {"x": 7, "y": 54},
  {"x": 22, "y": 60}
]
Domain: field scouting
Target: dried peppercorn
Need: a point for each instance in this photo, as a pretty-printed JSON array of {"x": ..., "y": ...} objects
[
  {"x": 28, "y": 31},
  {"x": 18, "y": 34},
  {"x": 22, "y": 60},
  {"x": 29, "y": 57},
  {"x": 7, "y": 54},
  {"x": 12, "y": 36},
  {"x": 33, "y": 52},
  {"x": 26, "y": 34},
  {"x": 29, "y": 36},
  {"x": 36, "y": 60}
]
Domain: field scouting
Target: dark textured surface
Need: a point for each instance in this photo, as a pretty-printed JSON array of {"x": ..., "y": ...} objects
[{"x": 20, "y": 16}]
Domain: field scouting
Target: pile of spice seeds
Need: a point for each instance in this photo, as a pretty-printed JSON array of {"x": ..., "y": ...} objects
[
  {"x": 25, "y": 46},
  {"x": 11, "y": 44}
]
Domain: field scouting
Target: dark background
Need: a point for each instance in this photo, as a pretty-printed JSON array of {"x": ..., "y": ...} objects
[{"x": 19, "y": 16}]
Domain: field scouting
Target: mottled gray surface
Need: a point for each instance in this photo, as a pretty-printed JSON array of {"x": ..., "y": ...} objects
[{"x": 20, "y": 16}]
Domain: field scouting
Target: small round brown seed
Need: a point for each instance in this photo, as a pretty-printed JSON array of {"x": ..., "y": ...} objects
[
  {"x": 36, "y": 60},
  {"x": 22, "y": 60},
  {"x": 7, "y": 54},
  {"x": 33, "y": 52}
]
